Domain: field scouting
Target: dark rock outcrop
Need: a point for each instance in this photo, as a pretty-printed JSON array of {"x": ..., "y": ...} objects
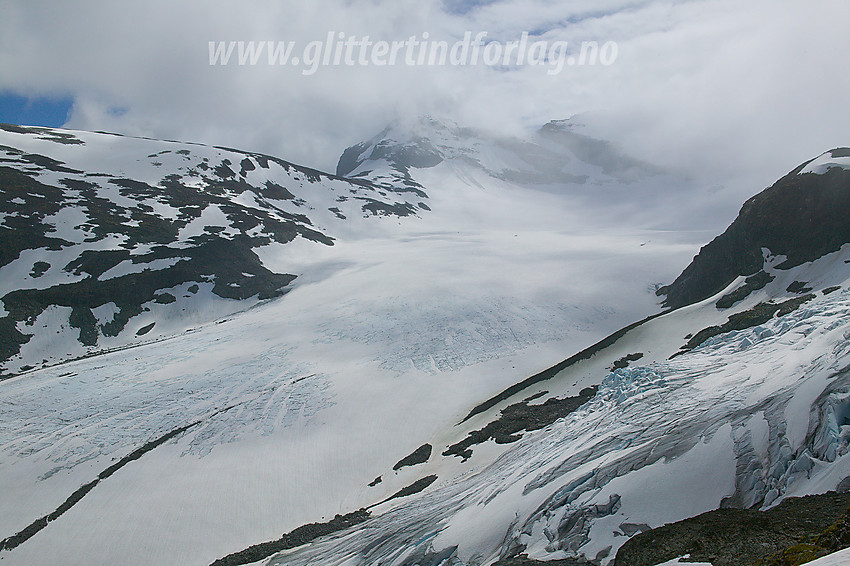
[
  {"x": 732, "y": 537},
  {"x": 419, "y": 456}
]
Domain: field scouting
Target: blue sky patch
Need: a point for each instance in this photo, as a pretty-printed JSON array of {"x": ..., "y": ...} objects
[
  {"x": 461, "y": 7},
  {"x": 34, "y": 111}
]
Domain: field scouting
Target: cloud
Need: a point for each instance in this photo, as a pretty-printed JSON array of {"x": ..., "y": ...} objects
[{"x": 715, "y": 88}]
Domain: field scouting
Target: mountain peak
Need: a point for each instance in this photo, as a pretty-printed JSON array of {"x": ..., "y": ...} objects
[
  {"x": 417, "y": 152},
  {"x": 838, "y": 157},
  {"x": 803, "y": 216},
  {"x": 555, "y": 155}
]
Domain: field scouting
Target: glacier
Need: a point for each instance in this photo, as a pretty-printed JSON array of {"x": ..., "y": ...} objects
[
  {"x": 743, "y": 419},
  {"x": 237, "y": 418}
]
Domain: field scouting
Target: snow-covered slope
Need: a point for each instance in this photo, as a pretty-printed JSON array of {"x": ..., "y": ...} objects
[
  {"x": 107, "y": 240},
  {"x": 835, "y": 158},
  {"x": 206, "y": 441},
  {"x": 400, "y": 358},
  {"x": 835, "y": 559}
]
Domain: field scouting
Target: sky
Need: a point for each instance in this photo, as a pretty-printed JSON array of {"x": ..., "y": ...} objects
[
  {"x": 34, "y": 111},
  {"x": 718, "y": 89}
]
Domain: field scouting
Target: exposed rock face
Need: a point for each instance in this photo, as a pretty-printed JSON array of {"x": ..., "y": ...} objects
[{"x": 803, "y": 216}]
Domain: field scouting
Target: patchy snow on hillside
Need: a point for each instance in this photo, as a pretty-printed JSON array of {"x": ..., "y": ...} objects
[{"x": 85, "y": 220}]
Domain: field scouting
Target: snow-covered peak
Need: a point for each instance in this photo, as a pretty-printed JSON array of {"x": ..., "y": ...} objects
[
  {"x": 556, "y": 155},
  {"x": 838, "y": 157}
]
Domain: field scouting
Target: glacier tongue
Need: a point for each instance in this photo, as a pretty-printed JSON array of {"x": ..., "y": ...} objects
[
  {"x": 302, "y": 402},
  {"x": 720, "y": 426}
]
